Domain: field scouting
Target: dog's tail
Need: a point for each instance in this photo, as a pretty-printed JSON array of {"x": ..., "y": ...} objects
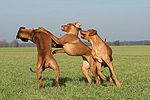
[
  {"x": 33, "y": 71},
  {"x": 105, "y": 39},
  {"x": 42, "y": 68}
]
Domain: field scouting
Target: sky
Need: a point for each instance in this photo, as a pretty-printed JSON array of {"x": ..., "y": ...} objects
[{"x": 123, "y": 20}]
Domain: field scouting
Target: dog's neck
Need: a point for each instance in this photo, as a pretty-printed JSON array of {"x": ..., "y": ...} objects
[
  {"x": 73, "y": 31},
  {"x": 95, "y": 39},
  {"x": 33, "y": 37}
]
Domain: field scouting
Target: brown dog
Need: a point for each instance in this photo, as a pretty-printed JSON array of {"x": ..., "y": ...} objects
[
  {"x": 44, "y": 48},
  {"x": 101, "y": 52},
  {"x": 73, "y": 46}
]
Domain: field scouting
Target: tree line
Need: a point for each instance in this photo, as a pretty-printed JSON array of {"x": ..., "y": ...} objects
[
  {"x": 128, "y": 43},
  {"x": 123, "y": 43},
  {"x": 15, "y": 43}
]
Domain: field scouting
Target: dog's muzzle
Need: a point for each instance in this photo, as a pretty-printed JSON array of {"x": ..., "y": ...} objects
[
  {"x": 83, "y": 35},
  {"x": 63, "y": 28},
  {"x": 23, "y": 39}
]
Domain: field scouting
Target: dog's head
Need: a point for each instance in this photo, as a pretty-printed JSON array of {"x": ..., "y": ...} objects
[
  {"x": 24, "y": 34},
  {"x": 87, "y": 34},
  {"x": 70, "y": 26}
]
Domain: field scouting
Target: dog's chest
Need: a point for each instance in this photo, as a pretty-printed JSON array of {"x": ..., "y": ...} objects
[
  {"x": 98, "y": 50},
  {"x": 73, "y": 50},
  {"x": 94, "y": 52},
  {"x": 96, "y": 56}
]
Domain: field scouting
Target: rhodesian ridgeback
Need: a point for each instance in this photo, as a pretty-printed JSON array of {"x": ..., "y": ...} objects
[
  {"x": 101, "y": 52},
  {"x": 73, "y": 46},
  {"x": 44, "y": 48}
]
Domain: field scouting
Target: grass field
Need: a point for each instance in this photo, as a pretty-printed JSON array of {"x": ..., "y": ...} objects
[{"x": 131, "y": 63}]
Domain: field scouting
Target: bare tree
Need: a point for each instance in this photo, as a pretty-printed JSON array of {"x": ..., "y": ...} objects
[
  {"x": 14, "y": 43},
  {"x": 117, "y": 43},
  {"x": 4, "y": 43}
]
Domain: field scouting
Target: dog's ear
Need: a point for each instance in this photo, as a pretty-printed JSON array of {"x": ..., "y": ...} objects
[
  {"x": 22, "y": 28},
  {"x": 92, "y": 32},
  {"x": 77, "y": 24},
  {"x": 105, "y": 40},
  {"x": 41, "y": 28}
]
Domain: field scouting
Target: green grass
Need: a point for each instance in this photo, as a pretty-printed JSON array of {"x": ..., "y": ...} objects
[{"x": 131, "y": 63}]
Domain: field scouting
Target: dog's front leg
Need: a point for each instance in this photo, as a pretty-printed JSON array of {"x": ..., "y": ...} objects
[
  {"x": 58, "y": 51},
  {"x": 111, "y": 68},
  {"x": 94, "y": 70},
  {"x": 99, "y": 66}
]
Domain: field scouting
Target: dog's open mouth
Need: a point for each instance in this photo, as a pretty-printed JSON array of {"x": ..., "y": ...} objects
[
  {"x": 79, "y": 28},
  {"x": 62, "y": 28},
  {"x": 83, "y": 35},
  {"x": 24, "y": 40}
]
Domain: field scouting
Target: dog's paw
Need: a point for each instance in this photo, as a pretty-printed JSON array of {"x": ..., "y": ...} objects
[
  {"x": 110, "y": 80},
  {"x": 118, "y": 84}
]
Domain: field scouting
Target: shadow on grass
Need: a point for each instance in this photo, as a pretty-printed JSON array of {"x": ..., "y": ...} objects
[
  {"x": 93, "y": 79},
  {"x": 62, "y": 82}
]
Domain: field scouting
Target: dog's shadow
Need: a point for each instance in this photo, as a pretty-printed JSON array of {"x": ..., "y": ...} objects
[
  {"x": 62, "y": 82},
  {"x": 93, "y": 79}
]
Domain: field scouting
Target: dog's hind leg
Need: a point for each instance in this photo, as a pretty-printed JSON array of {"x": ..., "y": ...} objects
[
  {"x": 110, "y": 64},
  {"x": 94, "y": 70},
  {"x": 39, "y": 63},
  {"x": 51, "y": 63},
  {"x": 85, "y": 70},
  {"x": 40, "y": 66},
  {"x": 39, "y": 76},
  {"x": 40, "y": 69}
]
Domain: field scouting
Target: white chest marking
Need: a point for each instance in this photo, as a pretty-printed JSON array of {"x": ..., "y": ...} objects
[{"x": 99, "y": 59}]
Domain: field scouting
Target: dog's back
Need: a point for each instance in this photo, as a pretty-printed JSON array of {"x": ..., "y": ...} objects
[{"x": 43, "y": 41}]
